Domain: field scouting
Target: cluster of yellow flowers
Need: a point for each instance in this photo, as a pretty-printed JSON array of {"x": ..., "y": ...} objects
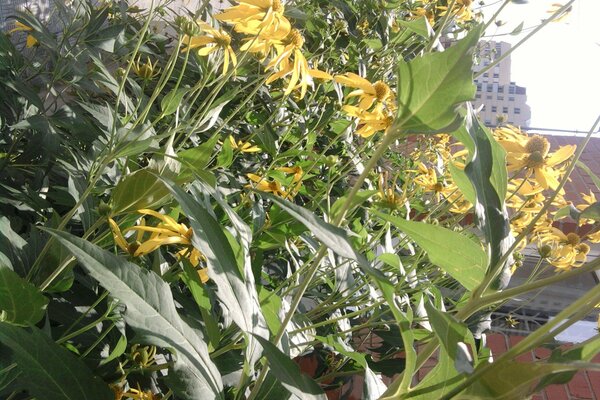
[
  {"x": 376, "y": 106},
  {"x": 536, "y": 170},
  {"x": 434, "y": 177},
  {"x": 430, "y": 9},
  {"x": 270, "y": 35},
  {"x": 167, "y": 232}
]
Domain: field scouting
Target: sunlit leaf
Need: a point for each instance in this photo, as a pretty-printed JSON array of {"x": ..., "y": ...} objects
[{"x": 21, "y": 303}]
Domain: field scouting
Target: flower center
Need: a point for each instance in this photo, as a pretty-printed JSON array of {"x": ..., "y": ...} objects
[
  {"x": 382, "y": 91},
  {"x": 438, "y": 187},
  {"x": 277, "y": 6},
  {"x": 222, "y": 39},
  {"x": 572, "y": 239},
  {"x": 539, "y": 144},
  {"x": 583, "y": 248},
  {"x": 295, "y": 38},
  {"x": 535, "y": 159}
]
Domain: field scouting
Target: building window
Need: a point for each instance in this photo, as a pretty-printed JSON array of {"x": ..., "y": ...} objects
[
  {"x": 487, "y": 122},
  {"x": 477, "y": 96},
  {"x": 517, "y": 110},
  {"x": 494, "y": 108},
  {"x": 489, "y": 88},
  {"x": 511, "y": 99},
  {"x": 500, "y": 97},
  {"x": 479, "y": 87},
  {"x": 486, "y": 75},
  {"x": 496, "y": 75},
  {"x": 500, "y": 89},
  {"x": 488, "y": 97},
  {"x": 505, "y": 109},
  {"x": 511, "y": 90},
  {"x": 483, "y": 108}
]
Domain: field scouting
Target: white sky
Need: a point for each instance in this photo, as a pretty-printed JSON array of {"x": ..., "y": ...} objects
[{"x": 559, "y": 66}]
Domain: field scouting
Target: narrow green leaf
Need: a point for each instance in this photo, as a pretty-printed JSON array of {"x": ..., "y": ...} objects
[
  {"x": 433, "y": 87},
  {"x": 487, "y": 172},
  {"x": 462, "y": 181},
  {"x": 151, "y": 312},
  {"x": 462, "y": 258},
  {"x": 420, "y": 26},
  {"x": 21, "y": 303},
  {"x": 117, "y": 351},
  {"x": 142, "y": 189},
  {"x": 588, "y": 171},
  {"x": 172, "y": 100},
  {"x": 591, "y": 212},
  {"x": 288, "y": 373},
  {"x": 49, "y": 371},
  {"x": 236, "y": 291}
]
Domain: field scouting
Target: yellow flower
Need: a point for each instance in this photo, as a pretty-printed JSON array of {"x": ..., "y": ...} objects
[
  {"x": 212, "y": 40},
  {"x": 461, "y": 10},
  {"x": 557, "y": 6},
  {"x": 532, "y": 155},
  {"x": 256, "y": 16},
  {"x": 167, "y": 232},
  {"x": 296, "y": 180},
  {"x": 243, "y": 147},
  {"x": 289, "y": 60},
  {"x": 21, "y": 27},
  {"x": 367, "y": 92},
  {"x": 145, "y": 71},
  {"x": 370, "y": 122},
  {"x": 567, "y": 251},
  {"x": 139, "y": 394},
  {"x": 589, "y": 200},
  {"x": 388, "y": 195},
  {"x": 264, "y": 185}
]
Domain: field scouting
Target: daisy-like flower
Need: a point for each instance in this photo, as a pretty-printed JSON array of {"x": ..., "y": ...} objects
[
  {"x": 370, "y": 122},
  {"x": 265, "y": 185},
  {"x": 290, "y": 61},
  {"x": 167, "y": 232},
  {"x": 532, "y": 155},
  {"x": 589, "y": 199},
  {"x": 21, "y": 27},
  {"x": 367, "y": 92},
  {"x": 461, "y": 10},
  {"x": 567, "y": 250},
  {"x": 211, "y": 41},
  {"x": 388, "y": 196},
  {"x": 297, "y": 178},
  {"x": 243, "y": 147},
  {"x": 146, "y": 70},
  {"x": 256, "y": 16}
]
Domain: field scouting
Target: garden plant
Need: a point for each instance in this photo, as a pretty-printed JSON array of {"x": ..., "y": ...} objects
[{"x": 194, "y": 202}]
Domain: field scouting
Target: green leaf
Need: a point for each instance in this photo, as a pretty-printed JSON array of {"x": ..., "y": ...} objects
[
  {"x": 420, "y": 26},
  {"x": 462, "y": 181},
  {"x": 21, "y": 303},
  {"x": 588, "y": 171},
  {"x": 49, "y": 371},
  {"x": 142, "y": 189},
  {"x": 288, "y": 373},
  {"x": 567, "y": 211},
  {"x": 196, "y": 159},
  {"x": 360, "y": 197},
  {"x": 12, "y": 245},
  {"x": 225, "y": 157},
  {"x": 451, "y": 334},
  {"x": 270, "y": 304},
  {"x": 512, "y": 380},
  {"x": 487, "y": 172},
  {"x": 236, "y": 291},
  {"x": 460, "y": 257},
  {"x": 117, "y": 351},
  {"x": 331, "y": 236},
  {"x": 171, "y": 101},
  {"x": 151, "y": 312},
  {"x": 433, "y": 87},
  {"x": 591, "y": 212}
]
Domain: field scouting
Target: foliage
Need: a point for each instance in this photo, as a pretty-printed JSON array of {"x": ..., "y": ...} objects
[{"x": 193, "y": 204}]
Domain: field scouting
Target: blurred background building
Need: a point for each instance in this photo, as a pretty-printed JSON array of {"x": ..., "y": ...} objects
[{"x": 502, "y": 101}]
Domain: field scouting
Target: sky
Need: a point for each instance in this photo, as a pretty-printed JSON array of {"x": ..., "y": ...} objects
[{"x": 559, "y": 66}]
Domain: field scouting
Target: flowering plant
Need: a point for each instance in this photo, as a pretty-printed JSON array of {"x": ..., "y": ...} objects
[{"x": 196, "y": 205}]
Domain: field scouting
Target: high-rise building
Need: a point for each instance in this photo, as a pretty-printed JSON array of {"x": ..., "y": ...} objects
[{"x": 501, "y": 100}]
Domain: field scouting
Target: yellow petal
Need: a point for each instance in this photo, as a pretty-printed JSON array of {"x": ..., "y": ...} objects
[
  {"x": 118, "y": 236},
  {"x": 561, "y": 155}
]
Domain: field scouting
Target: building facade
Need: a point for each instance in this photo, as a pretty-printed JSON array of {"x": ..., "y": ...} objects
[{"x": 501, "y": 101}]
